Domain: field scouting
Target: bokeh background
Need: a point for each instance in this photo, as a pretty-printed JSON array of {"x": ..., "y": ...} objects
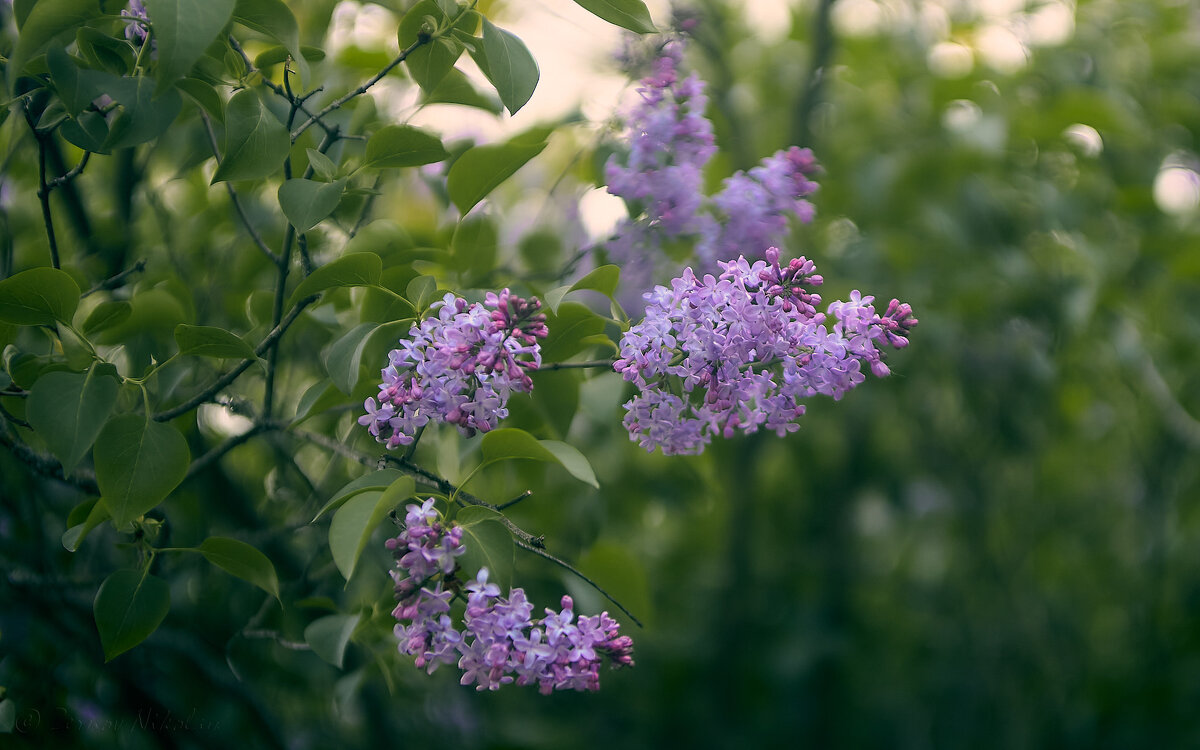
[{"x": 996, "y": 547}]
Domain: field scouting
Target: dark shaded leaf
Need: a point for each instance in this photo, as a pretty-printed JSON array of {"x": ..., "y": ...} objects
[
  {"x": 129, "y": 606},
  {"x": 256, "y": 142},
  {"x": 242, "y": 560},
  {"x": 138, "y": 463}
]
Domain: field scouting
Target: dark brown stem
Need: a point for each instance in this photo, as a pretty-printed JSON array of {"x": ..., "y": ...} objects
[
  {"x": 214, "y": 455},
  {"x": 75, "y": 172},
  {"x": 47, "y": 465},
  {"x": 337, "y": 103},
  {"x": 118, "y": 280},
  {"x": 44, "y": 196},
  {"x": 572, "y": 569},
  {"x": 298, "y": 102}
]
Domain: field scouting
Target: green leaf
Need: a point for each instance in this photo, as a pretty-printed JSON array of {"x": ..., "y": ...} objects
[
  {"x": 46, "y": 20},
  {"x": 129, "y": 606},
  {"x": 183, "y": 30},
  {"x": 482, "y": 168},
  {"x": 256, "y": 142},
  {"x": 319, "y": 397},
  {"x": 402, "y": 146},
  {"x": 209, "y": 341},
  {"x": 330, "y": 635},
  {"x": 89, "y": 132},
  {"x": 138, "y": 463},
  {"x": 273, "y": 18},
  {"x": 242, "y": 560},
  {"x": 305, "y": 202},
  {"x": 430, "y": 62},
  {"x": 76, "y": 532},
  {"x": 572, "y": 460},
  {"x": 142, "y": 116},
  {"x": 68, "y": 409},
  {"x": 510, "y": 443},
  {"x": 103, "y": 52},
  {"x": 508, "y": 64},
  {"x": 475, "y": 243},
  {"x": 569, "y": 328},
  {"x": 488, "y": 544},
  {"x": 352, "y": 269},
  {"x": 603, "y": 279},
  {"x": 357, "y": 518},
  {"x": 38, "y": 296},
  {"x": 106, "y": 315},
  {"x": 343, "y": 359},
  {"x": 322, "y": 165},
  {"x": 456, "y": 88},
  {"x": 376, "y": 480},
  {"x": 421, "y": 291},
  {"x": 204, "y": 95},
  {"x": 76, "y": 88},
  {"x": 628, "y": 14}
]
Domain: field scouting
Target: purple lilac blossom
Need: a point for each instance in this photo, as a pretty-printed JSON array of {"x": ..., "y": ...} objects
[
  {"x": 741, "y": 350},
  {"x": 500, "y": 643},
  {"x": 661, "y": 181},
  {"x": 755, "y": 206},
  {"x": 135, "y": 32},
  {"x": 661, "y": 178},
  {"x": 459, "y": 366}
]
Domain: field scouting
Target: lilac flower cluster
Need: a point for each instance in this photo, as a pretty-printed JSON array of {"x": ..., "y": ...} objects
[
  {"x": 661, "y": 181},
  {"x": 670, "y": 142},
  {"x": 500, "y": 643},
  {"x": 755, "y": 206},
  {"x": 459, "y": 366},
  {"x": 740, "y": 351}
]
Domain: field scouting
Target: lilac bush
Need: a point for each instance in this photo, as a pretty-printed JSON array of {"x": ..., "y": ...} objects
[
  {"x": 500, "y": 643},
  {"x": 740, "y": 351},
  {"x": 459, "y": 366}
]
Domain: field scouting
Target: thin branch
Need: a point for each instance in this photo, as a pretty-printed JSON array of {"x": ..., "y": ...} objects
[
  {"x": 214, "y": 455},
  {"x": 44, "y": 193},
  {"x": 515, "y": 500},
  {"x": 118, "y": 280},
  {"x": 285, "y": 257},
  {"x": 275, "y": 636},
  {"x": 572, "y": 569},
  {"x": 233, "y": 196},
  {"x": 279, "y": 90},
  {"x": 232, "y": 375},
  {"x": 337, "y": 103},
  {"x": 366, "y": 207},
  {"x": 46, "y": 465},
  {"x": 75, "y": 172},
  {"x": 13, "y": 419},
  {"x": 523, "y": 539}
]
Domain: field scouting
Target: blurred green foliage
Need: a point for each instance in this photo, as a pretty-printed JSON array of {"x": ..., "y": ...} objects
[{"x": 993, "y": 548}]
